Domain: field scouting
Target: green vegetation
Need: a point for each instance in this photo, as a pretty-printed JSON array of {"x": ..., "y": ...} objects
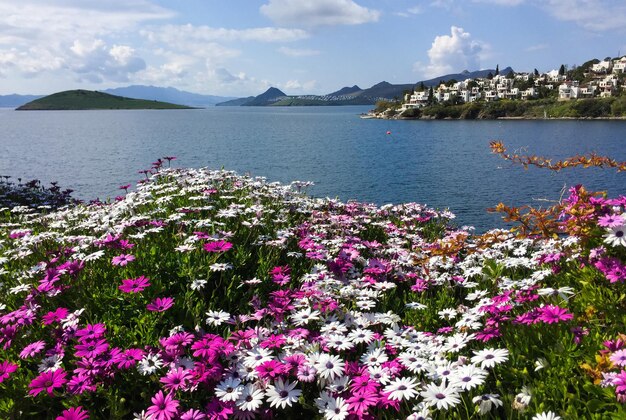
[
  {"x": 86, "y": 99},
  {"x": 613, "y": 107}
]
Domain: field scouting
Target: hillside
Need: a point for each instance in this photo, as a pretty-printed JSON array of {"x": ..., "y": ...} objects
[
  {"x": 168, "y": 94},
  {"x": 86, "y": 100},
  {"x": 549, "y": 108}
]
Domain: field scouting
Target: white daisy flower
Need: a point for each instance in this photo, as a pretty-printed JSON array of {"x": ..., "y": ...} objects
[
  {"x": 337, "y": 409},
  {"x": 361, "y": 335},
  {"x": 486, "y": 402},
  {"x": 546, "y": 416},
  {"x": 149, "y": 364},
  {"x": 282, "y": 394},
  {"x": 490, "y": 357},
  {"x": 616, "y": 236},
  {"x": 198, "y": 284},
  {"x": 250, "y": 399},
  {"x": 338, "y": 342},
  {"x": 230, "y": 389},
  {"x": 51, "y": 363},
  {"x": 468, "y": 377},
  {"x": 304, "y": 316},
  {"x": 375, "y": 357},
  {"x": 329, "y": 366},
  {"x": 217, "y": 318},
  {"x": 402, "y": 389},
  {"x": 441, "y": 396}
]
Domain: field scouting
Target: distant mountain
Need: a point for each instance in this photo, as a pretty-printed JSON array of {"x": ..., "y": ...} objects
[
  {"x": 464, "y": 75},
  {"x": 87, "y": 99},
  {"x": 353, "y": 95},
  {"x": 168, "y": 94},
  {"x": 269, "y": 97},
  {"x": 385, "y": 90},
  {"x": 13, "y": 101},
  {"x": 236, "y": 102},
  {"x": 346, "y": 91}
]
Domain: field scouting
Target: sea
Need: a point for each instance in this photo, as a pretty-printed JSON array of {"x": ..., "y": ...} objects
[{"x": 446, "y": 164}]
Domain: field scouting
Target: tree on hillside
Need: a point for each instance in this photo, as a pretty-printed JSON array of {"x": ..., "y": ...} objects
[
  {"x": 421, "y": 87},
  {"x": 562, "y": 70},
  {"x": 536, "y": 73},
  {"x": 431, "y": 96},
  {"x": 497, "y": 69},
  {"x": 451, "y": 82},
  {"x": 490, "y": 76}
]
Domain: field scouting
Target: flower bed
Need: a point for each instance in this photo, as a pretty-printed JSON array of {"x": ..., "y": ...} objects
[{"x": 205, "y": 294}]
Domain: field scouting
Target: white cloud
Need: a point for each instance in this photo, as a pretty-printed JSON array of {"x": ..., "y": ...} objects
[
  {"x": 180, "y": 34},
  {"x": 301, "y": 87},
  {"x": 416, "y": 10},
  {"x": 537, "y": 47},
  {"x": 501, "y": 2},
  {"x": 61, "y": 35},
  {"x": 318, "y": 12},
  {"x": 452, "y": 53},
  {"x": 96, "y": 62},
  {"x": 294, "y": 52},
  {"x": 594, "y": 15}
]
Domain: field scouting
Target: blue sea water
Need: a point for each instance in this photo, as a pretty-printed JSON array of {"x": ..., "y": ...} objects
[{"x": 445, "y": 164}]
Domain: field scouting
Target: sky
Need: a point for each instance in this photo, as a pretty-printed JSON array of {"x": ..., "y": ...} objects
[{"x": 243, "y": 47}]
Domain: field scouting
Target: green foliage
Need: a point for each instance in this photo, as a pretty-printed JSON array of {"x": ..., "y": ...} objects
[{"x": 85, "y": 99}]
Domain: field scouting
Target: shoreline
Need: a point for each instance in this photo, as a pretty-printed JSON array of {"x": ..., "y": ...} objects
[{"x": 432, "y": 118}]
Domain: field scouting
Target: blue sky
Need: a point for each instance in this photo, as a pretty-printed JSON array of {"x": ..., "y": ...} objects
[{"x": 242, "y": 47}]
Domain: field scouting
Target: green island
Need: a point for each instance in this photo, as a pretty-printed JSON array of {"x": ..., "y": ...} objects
[{"x": 89, "y": 100}]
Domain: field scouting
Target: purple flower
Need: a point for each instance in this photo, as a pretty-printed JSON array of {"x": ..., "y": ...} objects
[
  {"x": 6, "y": 369},
  {"x": 218, "y": 246},
  {"x": 91, "y": 332},
  {"x": 47, "y": 381},
  {"x": 122, "y": 259},
  {"x": 160, "y": 304},
  {"x": 128, "y": 358},
  {"x": 164, "y": 407},
  {"x": 611, "y": 220},
  {"x": 74, "y": 413},
  {"x": 134, "y": 285},
  {"x": 619, "y": 357},
  {"x": 32, "y": 349},
  {"x": 551, "y": 314},
  {"x": 175, "y": 379}
]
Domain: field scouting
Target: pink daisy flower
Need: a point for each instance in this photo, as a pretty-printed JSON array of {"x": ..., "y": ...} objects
[
  {"x": 160, "y": 304},
  {"x": 91, "y": 332},
  {"x": 164, "y": 407},
  {"x": 217, "y": 246},
  {"x": 175, "y": 379},
  {"x": 551, "y": 314},
  {"x": 74, "y": 413},
  {"x": 55, "y": 316},
  {"x": 6, "y": 369},
  {"x": 611, "y": 221},
  {"x": 128, "y": 358},
  {"x": 122, "y": 259},
  {"x": 91, "y": 349},
  {"x": 47, "y": 381},
  {"x": 136, "y": 285},
  {"x": 619, "y": 357},
  {"x": 32, "y": 349}
]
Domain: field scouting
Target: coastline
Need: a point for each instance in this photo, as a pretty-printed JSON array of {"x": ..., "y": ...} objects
[{"x": 381, "y": 116}]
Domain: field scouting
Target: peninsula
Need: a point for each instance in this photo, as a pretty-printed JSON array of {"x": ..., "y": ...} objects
[{"x": 91, "y": 100}]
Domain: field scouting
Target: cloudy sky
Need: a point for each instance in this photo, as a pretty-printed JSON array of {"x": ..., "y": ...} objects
[{"x": 241, "y": 47}]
